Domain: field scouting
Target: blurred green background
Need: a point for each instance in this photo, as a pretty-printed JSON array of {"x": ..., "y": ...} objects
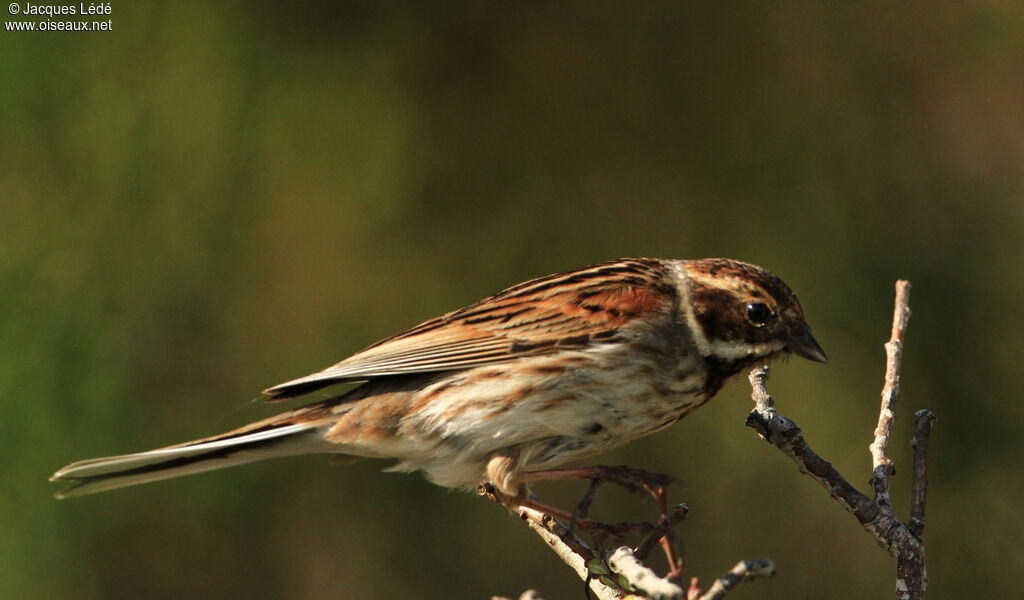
[{"x": 214, "y": 198}]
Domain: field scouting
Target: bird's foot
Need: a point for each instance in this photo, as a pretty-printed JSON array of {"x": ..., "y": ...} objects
[{"x": 631, "y": 479}]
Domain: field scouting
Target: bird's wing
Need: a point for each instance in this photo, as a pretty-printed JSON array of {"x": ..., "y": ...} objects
[{"x": 568, "y": 310}]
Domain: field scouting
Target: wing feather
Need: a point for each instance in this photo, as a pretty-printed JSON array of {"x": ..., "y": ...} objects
[{"x": 575, "y": 309}]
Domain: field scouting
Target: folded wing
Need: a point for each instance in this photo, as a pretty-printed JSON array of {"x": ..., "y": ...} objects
[{"x": 576, "y": 309}]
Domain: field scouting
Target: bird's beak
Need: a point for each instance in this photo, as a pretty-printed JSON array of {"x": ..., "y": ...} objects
[{"x": 802, "y": 343}]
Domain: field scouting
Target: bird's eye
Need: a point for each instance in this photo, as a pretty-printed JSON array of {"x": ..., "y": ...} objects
[{"x": 758, "y": 313}]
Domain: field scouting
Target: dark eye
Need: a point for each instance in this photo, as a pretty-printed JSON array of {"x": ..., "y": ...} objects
[{"x": 758, "y": 313}]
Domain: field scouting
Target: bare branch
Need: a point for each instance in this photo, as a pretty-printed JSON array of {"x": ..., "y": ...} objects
[
  {"x": 569, "y": 548},
  {"x": 882, "y": 466},
  {"x": 663, "y": 528},
  {"x": 745, "y": 570},
  {"x": 895, "y": 537},
  {"x": 923, "y": 420},
  {"x": 624, "y": 562},
  {"x": 565, "y": 544},
  {"x": 784, "y": 434},
  {"x": 641, "y": 578},
  {"x": 902, "y": 541}
]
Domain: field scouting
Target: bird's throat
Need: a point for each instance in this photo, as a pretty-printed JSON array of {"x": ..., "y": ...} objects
[{"x": 720, "y": 370}]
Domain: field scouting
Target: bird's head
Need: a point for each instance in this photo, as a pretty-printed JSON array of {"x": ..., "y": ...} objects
[{"x": 746, "y": 313}]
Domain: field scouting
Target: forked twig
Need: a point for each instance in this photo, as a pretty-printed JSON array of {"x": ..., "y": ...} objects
[{"x": 903, "y": 541}]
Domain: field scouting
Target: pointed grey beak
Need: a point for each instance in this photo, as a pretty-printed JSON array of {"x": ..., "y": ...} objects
[{"x": 802, "y": 343}]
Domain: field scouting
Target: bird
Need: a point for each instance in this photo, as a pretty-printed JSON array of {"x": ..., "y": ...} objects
[{"x": 546, "y": 372}]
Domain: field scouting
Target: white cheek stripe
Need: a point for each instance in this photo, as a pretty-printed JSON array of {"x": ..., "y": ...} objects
[
  {"x": 686, "y": 287},
  {"x": 731, "y": 350}
]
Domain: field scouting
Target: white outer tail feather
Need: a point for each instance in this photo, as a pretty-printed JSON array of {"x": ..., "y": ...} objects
[{"x": 101, "y": 474}]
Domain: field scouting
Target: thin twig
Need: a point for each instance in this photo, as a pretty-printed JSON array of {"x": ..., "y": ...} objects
[
  {"x": 882, "y": 467},
  {"x": 745, "y": 570},
  {"x": 626, "y": 562},
  {"x": 663, "y": 527},
  {"x": 895, "y": 537},
  {"x": 784, "y": 434},
  {"x": 901, "y": 540},
  {"x": 923, "y": 420},
  {"x": 564, "y": 543},
  {"x": 641, "y": 578},
  {"x": 569, "y": 548}
]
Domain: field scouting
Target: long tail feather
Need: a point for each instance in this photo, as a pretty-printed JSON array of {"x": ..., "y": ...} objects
[{"x": 228, "y": 450}]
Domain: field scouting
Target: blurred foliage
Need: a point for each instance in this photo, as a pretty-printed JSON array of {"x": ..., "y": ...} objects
[{"x": 214, "y": 198}]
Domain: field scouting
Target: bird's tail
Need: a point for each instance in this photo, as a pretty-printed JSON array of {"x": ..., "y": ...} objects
[{"x": 267, "y": 439}]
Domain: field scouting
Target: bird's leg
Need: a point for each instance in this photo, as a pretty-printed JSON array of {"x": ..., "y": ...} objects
[
  {"x": 583, "y": 507},
  {"x": 631, "y": 479},
  {"x": 599, "y": 531},
  {"x": 588, "y": 525},
  {"x": 655, "y": 484}
]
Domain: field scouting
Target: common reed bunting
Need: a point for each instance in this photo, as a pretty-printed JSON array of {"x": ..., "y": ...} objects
[{"x": 546, "y": 372}]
